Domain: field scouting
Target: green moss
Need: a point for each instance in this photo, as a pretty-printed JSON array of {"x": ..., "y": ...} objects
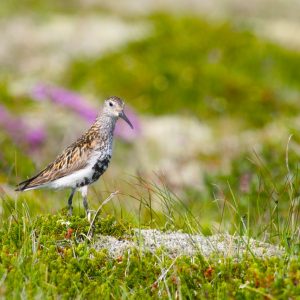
[
  {"x": 35, "y": 261},
  {"x": 57, "y": 227}
]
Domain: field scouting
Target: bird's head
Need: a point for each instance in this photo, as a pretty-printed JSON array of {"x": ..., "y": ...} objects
[{"x": 114, "y": 107}]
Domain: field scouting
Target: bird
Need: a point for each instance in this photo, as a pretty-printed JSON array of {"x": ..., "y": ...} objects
[{"x": 85, "y": 160}]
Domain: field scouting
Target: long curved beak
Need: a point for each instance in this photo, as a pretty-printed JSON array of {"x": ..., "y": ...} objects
[{"x": 124, "y": 117}]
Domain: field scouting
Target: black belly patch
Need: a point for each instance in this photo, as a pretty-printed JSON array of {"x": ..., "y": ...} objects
[{"x": 100, "y": 167}]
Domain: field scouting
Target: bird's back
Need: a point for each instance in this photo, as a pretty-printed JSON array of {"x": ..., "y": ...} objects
[{"x": 74, "y": 158}]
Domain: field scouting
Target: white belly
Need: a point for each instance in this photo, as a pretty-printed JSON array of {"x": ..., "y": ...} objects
[
  {"x": 72, "y": 180},
  {"x": 75, "y": 179}
]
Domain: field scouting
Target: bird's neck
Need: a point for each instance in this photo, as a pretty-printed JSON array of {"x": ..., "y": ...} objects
[{"x": 106, "y": 124}]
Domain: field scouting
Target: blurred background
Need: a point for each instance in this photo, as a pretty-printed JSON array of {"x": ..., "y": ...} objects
[{"x": 212, "y": 88}]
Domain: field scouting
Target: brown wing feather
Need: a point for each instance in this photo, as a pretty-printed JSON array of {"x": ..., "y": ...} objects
[{"x": 73, "y": 158}]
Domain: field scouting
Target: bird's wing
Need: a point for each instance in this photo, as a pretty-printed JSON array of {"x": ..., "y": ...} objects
[{"x": 73, "y": 158}]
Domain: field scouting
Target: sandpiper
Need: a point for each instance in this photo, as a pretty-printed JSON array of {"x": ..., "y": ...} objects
[{"x": 84, "y": 161}]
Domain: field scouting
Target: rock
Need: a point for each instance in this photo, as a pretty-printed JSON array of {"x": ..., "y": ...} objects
[{"x": 183, "y": 244}]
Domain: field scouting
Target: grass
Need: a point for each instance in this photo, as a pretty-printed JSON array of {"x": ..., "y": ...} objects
[
  {"x": 50, "y": 256},
  {"x": 212, "y": 71}
]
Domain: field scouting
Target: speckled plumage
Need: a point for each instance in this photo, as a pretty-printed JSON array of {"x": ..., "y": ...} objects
[
  {"x": 84, "y": 161},
  {"x": 77, "y": 156}
]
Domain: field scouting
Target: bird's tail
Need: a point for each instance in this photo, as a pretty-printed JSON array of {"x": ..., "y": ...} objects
[{"x": 26, "y": 185}]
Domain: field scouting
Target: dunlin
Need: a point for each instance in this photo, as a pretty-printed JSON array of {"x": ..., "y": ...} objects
[{"x": 84, "y": 161}]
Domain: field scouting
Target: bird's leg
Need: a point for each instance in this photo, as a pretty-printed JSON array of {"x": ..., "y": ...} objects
[
  {"x": 70, "y": 202},
  {"x": 85, "y": 203}
]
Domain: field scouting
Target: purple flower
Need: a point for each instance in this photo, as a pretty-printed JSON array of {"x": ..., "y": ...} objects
[
  {"x": 19, "y": 131},
  {"x": 35, "y": 137},
  {"x": 80, "y": 106},
  {"x": 65, "y": 98}
]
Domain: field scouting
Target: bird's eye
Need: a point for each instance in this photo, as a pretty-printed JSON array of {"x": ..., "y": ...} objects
[{"x": 111, "y": 104}]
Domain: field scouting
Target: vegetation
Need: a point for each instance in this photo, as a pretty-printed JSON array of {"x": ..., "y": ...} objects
[
  {"x": 50, "y": 256},
  {"x": 189, "y": 65},
  {"x": 212, "y": 71}
]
